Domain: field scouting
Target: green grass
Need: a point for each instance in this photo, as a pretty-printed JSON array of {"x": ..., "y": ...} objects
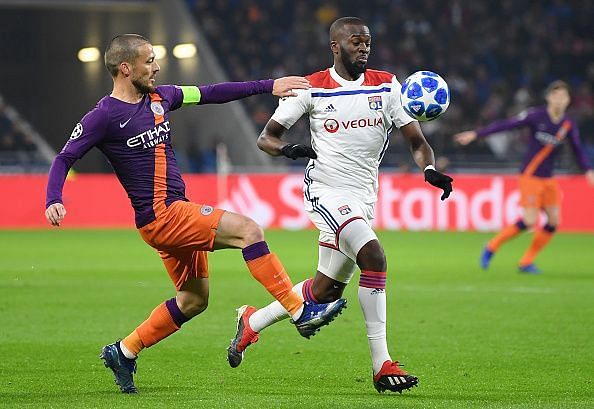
[{"x": 475, "y": 339}]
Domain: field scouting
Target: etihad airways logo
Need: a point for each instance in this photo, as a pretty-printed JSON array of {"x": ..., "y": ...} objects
[
  {"x": 332, "y": 125},
  {"x": 547, "y": 139},
  {"x": 150, "y": 138}
]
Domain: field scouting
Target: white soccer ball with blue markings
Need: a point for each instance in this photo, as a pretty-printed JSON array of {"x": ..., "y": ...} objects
[{"x": 425, "y": 95}]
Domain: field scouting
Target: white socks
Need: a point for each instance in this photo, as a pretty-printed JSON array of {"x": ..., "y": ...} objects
[
  {"x": 273, "y": 312},
  {"x": 373, "y": 304},
  {"x": 127, "y": 353}
]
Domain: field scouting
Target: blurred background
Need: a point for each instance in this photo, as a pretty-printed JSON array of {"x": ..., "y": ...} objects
[{"x": 496, "y": 56}]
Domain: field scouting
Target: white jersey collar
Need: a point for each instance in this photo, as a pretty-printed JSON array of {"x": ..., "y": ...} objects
[{"x": 346, "y": 83}]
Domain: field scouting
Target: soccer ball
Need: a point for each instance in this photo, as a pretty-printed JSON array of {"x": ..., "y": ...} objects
[{"x": 425, "y": 95}]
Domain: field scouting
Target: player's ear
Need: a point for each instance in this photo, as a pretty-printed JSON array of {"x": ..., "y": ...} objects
[
  {"x": 125, "y": 68},
  {"x": 334, "y": 47}
]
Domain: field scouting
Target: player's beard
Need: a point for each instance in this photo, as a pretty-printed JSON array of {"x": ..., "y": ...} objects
[
  {"x": 354, "y": 68},
  {"x": 142, "y": 87}
]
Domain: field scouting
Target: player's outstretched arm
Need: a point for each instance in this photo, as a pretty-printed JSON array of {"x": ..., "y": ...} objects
[
  {"x": 283, "y": 87},
  {"x": 270, "y": 142},
  {"x": 424, "y": 158},
  {"x": 55, "y": 214},
  {"x": 231, "y": 91},
  {"x": 464, "y": 138}
]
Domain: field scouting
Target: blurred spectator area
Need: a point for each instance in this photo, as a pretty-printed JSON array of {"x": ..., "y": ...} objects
[
  {"x": 496, "y": 56},
  {"x": 21, "y": 149}
]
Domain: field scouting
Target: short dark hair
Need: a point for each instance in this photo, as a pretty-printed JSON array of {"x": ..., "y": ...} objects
[
  {"x": 344, "y": 21},
  {"x": 122, "y": 48},
  {"x": 555, "y": 85}
]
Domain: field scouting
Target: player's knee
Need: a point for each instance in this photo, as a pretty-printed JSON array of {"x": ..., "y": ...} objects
[
  {"x": 192, "y": 306},
  {"x": 372, "y": 257}
]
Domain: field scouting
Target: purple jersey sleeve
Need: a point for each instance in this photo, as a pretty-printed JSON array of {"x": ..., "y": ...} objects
[
  {"x": 522, "y": 119},
  {"x": 86, "y": 134},
  {"x": 173, "y": 94},
  {"x": 231, "y": 91},
  {"x": 578, "y": 150}
]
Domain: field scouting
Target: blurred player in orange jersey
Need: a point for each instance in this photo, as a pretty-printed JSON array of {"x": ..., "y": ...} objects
[
  {"x": 131, "y": 127},
  {"x": 550, "y": 127}
]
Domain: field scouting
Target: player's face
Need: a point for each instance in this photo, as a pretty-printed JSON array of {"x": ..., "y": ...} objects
[
  {"x": 354, "y": 49},
  {"x": 558, "y": 99},
  {"x": 144, "y": 70}
]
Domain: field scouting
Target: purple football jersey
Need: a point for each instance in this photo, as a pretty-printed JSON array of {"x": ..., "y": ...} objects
[
  {"x": 136, "y": 139},
  {"x": 539, "y": 161}
]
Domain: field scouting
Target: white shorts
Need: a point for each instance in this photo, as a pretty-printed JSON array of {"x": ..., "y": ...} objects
[{"x": 330, "y": 210}]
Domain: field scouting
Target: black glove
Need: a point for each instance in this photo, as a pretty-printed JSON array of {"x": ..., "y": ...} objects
[
  {"x": 439, "y": 180},
  {"x": 297, "y": 150}
]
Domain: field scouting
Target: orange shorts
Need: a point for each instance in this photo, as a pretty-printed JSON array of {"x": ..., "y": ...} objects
[
  {"x": 539, "y": 192},
  {"x": 182, "y": 234}
]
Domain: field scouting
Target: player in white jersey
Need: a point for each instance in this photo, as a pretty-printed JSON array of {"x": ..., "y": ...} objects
[{"x": 351, "y": 111}]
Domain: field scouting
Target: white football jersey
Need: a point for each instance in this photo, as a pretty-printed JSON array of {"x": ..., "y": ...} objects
[{"x": 350, "y": 122}]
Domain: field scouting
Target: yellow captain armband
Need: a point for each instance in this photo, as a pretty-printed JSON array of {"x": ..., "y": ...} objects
[{"x": 191, "y": 94}]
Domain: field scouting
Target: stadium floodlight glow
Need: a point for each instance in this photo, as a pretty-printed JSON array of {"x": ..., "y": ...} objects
[
  {"x": 160, "y": 51},
  {"x": 184, "y": 50},
  {"x": 89, "y": 54}
]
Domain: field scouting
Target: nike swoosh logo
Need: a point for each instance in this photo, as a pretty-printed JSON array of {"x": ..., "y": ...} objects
[{"x": 123, "y": 124}]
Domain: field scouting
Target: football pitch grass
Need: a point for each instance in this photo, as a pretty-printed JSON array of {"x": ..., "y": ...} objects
[{"x": 475, "y": 339}]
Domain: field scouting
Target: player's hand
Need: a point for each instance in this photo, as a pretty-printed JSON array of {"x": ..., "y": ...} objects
[
  {"x": 298, "y": 150},
  {"x": 590, "y": 177},
  {"x": 55, "y": 213},
  {"x": 283, "y": 87},
  {"x": 439, "y": 180},
  {"x": 464, "y": 138}
]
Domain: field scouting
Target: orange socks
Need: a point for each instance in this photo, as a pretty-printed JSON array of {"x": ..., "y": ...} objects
[
  {"x": 506, "y": 234},
  {"x": 166, "y": 319},
  {"x": 540, "y": 240},
  {"x": 133, "y": 343},
  {"x": 269, "y": 271}
]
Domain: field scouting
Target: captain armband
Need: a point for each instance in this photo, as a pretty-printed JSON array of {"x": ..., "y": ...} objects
[{"x": 191, "y": 94}]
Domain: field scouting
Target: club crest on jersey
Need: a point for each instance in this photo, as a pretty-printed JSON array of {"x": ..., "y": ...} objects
[
  {"x": 344, "y": 210},
  {"x": 206, "y": 210},
  {"x": 157, "y": 108},
  {"x": 375, "y": 102}
]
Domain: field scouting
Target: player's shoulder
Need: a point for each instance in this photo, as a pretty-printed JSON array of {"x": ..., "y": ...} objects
[
  {"x": 322, "y": 79},
  {"x": 532, "y": 113},
  {"x": 101, "y": 110},
  {"x": 377, "y": 77},
  {"x": 168, "y": 90}
]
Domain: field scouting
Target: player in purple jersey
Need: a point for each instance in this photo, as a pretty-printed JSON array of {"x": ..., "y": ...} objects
[
  {"x": 131, "y": 127},
  {"x": 549, "y": 127}
]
